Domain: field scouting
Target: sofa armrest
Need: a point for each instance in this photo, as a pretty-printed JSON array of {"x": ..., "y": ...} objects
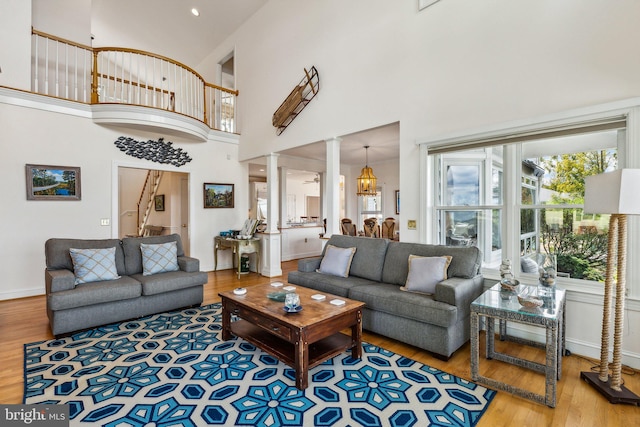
[
  {"x": 309, "y": 264},
  {"x": 188, "y": 264},
  {"x": 59, "y": 280},
  {"x": 460, "y": 292}
]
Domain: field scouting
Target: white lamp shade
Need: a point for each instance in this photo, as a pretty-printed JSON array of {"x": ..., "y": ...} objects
[{"x": 616, "y": 192}]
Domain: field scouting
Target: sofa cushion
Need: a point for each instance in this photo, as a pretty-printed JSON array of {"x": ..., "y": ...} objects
[
  {"x": 159, "y": 258},
  {"x": 465, "y": 261},
  {"x": 336, "y": 261},
  {"x": 95, "y": 293},
  {"x": 94, "y": 265},
  {"x": 170, "y": 281},
  {"x": 390, "y": 299},
  {"x": 335, "y": 285},
  {"x": 133, "y": 255},
  {"x": 425, "y": 273},
  {"x": 369, "y": 257},
  {"x": 57, "y": 254}
]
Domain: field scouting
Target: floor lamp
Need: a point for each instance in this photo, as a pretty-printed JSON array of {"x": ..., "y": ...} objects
[{"x": 614, "y": 193}]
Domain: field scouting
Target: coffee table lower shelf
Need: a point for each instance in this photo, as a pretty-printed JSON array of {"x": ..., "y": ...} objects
[{"x": 285, "y": 351}]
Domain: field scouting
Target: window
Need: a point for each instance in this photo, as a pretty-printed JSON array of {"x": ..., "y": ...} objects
[
  {"x": 551, "y": 216},
  {"x": 472, "y": 206},
  {"x": 370, "y": 207},
  {"x": 469, "y": 202}
]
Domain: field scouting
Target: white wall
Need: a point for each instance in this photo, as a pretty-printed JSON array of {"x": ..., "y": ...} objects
[
  {"x": 454, "y": 66},
  {"x": 15, "y": 34},
  {"x": 30, "y": 135}
]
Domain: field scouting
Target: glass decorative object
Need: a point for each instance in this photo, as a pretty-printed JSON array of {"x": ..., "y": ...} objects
[{"x": 547, "y": 270}]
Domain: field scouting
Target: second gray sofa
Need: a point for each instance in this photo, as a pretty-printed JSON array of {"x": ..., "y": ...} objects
[
  {"x": 438, "y": 323},
  {"x": 72, "y": 307}
]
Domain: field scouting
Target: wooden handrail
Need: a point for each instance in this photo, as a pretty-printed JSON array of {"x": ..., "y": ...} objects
[
  {"x": 224, "y": 89},
  {"x": 60, "y": 39},
  {"x": 152, "y": 55},
  {"x": 129, "y": 82},
  {"x": 204, "y": 101}
]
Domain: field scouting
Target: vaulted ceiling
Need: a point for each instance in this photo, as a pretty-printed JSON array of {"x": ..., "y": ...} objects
[{"x": 168, "y": 28}]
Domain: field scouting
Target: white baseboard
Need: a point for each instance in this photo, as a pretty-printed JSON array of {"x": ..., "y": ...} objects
[{"x": 21, "y": 294}]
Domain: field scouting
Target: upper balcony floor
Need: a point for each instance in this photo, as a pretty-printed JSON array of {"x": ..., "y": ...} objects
[{"x": 125, "y": 86}]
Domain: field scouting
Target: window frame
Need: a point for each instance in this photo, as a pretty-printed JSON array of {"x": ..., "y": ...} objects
[{"x": 601, "y": 116}]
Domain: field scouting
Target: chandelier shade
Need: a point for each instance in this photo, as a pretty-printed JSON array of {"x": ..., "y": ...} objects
[{"x": 367, "y": 181}]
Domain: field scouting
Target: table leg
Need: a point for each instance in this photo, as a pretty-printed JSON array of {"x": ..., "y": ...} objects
[
  {"x": 226, "y": 322},
  {"x": 302, "y": 364},
  {"x": 238, "y": 258},
  {"x": 551, "y": 374},
  {"x": 474, "y": 346},
  {"x": 491, "y": 337},
  {"x": 215, "y": 256},
  {"x": 356, "y": 337}
]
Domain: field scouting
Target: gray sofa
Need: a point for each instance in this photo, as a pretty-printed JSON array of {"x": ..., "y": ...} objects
[
  {"x": 72, "y": 307},
  {"x": 438, "y": 323}
]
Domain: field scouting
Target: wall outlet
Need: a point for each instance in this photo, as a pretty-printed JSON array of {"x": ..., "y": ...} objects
[
  {"x": 104, "y": 221},
  {"x": 411, "y": 224}
]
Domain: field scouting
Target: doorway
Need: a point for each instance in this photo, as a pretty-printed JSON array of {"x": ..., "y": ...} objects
[{"x": 168, "y": 207}]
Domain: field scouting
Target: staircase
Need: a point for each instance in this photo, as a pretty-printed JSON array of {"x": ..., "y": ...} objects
[{"x": 147, "y": 195}]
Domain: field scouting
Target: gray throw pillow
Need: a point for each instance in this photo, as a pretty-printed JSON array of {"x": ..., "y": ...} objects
[
  {"x": 336, "y": 261},
  {"x": 94, "y": 265},
  {"x": 159, "y": 258},
  {"x": 425, "y": 273},
  {"x": 527, "y": 265}
]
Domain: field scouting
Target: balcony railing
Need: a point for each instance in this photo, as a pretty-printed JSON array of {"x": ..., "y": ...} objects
[{"x": 69, "y": 70}]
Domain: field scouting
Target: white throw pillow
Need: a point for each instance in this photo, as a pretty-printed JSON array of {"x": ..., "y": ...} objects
[
  {"x": 336, "y": 261},
  {"x": 159, "y": 258},
  {"x": 425, "y": 273},
  {"x": 94, "y": 265}
]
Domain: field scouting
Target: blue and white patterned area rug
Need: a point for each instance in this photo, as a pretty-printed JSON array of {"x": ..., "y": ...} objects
[{"x": 173, "y": 369}]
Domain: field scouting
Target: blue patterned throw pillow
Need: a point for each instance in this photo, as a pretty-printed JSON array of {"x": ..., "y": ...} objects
[
  {"x": 159, "y": 258},
  {"x": 94, "y": 265}
]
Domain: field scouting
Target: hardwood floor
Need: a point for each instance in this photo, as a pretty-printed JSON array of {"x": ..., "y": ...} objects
[{"x": 25, "y": 320}]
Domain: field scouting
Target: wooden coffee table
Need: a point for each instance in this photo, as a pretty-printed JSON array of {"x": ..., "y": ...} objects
[{"x": 301, "y": 340}]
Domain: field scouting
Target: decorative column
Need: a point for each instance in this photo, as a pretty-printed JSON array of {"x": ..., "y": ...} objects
[
  {"x": 271, "y": 245},
  {"x": 333, "y": 186}
]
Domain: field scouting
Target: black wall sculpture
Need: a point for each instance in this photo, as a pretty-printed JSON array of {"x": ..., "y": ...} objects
[{"x": 156, "y": 151}]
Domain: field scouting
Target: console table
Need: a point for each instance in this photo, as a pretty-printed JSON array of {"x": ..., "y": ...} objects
[
  {"x": 238, "y": 247},
  {"x": 496, "y": 303}
]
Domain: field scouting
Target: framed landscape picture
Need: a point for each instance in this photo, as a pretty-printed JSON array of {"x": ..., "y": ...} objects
[
  {"x": 218, "y": 195},
  {"x": 45, "y": 182},
  {"x": 158, "y": 202}
]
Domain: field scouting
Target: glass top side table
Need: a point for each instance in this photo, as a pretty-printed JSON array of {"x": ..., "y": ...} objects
[{"x": 497, "y": 304}]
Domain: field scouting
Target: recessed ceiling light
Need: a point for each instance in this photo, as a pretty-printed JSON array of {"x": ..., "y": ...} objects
[{"x": 195, "y": 12}]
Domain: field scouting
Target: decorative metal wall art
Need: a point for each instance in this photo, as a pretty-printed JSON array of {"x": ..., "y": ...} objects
[
  {"x": 156, "y": 151},
  {"x": 297, "y": 100}
]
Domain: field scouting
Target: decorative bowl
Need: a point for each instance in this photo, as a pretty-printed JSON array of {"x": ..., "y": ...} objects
[
  {"x": 530, "y": 301},
  {"x": 277, "y": 296},
  {"x": 509, "y": 284}
]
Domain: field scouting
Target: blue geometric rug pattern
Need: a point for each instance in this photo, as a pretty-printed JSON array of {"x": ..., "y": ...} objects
[{"x": 173, "y": 369}]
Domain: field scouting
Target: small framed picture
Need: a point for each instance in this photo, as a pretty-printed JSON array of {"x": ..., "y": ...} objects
[
  {"x": 218, "y": 195},
  {"x": 397, "y": 202},
  {"x": 46, "y": 182},
  {"x": 158, "y": 202}
]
